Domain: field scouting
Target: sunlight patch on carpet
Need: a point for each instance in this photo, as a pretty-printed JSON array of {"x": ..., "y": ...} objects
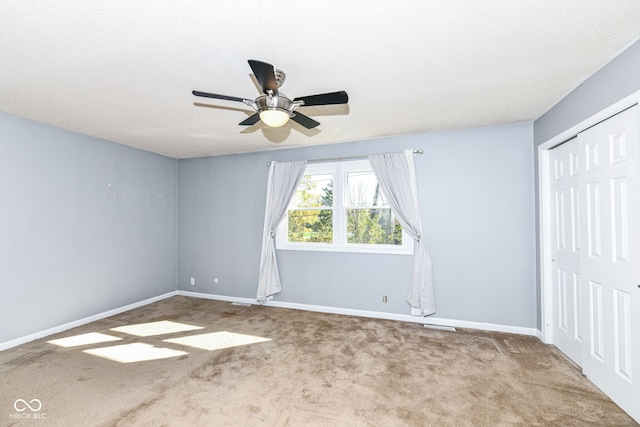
[
  {"x": 84, "y": 339},
  {"x": 136, "y": 352},
  {"x": 217, "y": 340},
  {"x": 156, "y": 328}
]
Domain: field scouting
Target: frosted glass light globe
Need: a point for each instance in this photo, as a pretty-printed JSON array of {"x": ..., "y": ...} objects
[{"x": 274, "y": 117}]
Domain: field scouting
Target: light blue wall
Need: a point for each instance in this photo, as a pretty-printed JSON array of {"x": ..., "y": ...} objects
[
  {"x": 615, "y": 81},
  {"x": 477, "y": 199},
  {"x": 70, "y": 247}
]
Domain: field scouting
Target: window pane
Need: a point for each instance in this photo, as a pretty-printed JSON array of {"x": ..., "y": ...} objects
[
  {"x": 373, "y": 226},
  {"x": 311, "y": 226},
  {"x": 362, "y": 189},
  {"x": 314, "y": 191}
]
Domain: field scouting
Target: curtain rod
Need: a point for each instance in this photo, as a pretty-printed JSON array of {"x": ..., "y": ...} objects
[{"x": 338, "y": 159}]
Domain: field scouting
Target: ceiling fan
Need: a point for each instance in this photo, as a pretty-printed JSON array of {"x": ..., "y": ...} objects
[{"x": 274, "y": 108}]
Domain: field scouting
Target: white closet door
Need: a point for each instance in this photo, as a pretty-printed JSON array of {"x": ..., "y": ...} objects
[
  {"x": 610, "y": 257},
  {"x": 566, "y": 247}
]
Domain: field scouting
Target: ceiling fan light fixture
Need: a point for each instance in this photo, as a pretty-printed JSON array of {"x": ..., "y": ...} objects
[
  {"x": 274, "y": 117},
  {"x": 273, "y": 108}
]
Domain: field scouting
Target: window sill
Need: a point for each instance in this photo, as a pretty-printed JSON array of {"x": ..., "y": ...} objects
[{"x": 362, "y": 249}]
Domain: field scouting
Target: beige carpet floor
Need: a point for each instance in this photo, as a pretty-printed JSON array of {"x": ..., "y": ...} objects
[{"x": 196, "y": 362}]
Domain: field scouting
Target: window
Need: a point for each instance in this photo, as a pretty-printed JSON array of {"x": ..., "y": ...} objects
[{"x": 339, "y": 207}]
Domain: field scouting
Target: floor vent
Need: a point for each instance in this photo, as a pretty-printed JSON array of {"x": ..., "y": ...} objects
[
  {"x": 241, "y": 304},
  {"x": 441, "y": 328}
]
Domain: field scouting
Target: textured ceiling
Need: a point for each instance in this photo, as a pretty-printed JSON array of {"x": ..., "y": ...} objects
[{"x": 124, "y": 70}]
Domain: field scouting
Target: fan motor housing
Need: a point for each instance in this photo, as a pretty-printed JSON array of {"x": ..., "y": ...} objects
[{"x": 278, "y": 102}]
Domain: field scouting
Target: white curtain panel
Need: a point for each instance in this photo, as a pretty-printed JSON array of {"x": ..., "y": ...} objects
[
  {"x": 397, "y": 177},
  {"x": 281, "y": 186}
]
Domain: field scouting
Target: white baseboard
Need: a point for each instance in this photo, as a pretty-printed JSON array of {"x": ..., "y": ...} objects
[
  {"x": 376, "y": 314},
  {"x": 83, "y": 321},
  {"x": 251, "y": 301},
  {"x": 281, "y": 304}
]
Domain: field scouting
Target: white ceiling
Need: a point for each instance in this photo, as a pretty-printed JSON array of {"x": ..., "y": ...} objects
[{"x": 124, "y": 70}]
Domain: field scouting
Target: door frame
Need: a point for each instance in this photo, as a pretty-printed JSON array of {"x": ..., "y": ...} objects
[{"x": 544, "y": 207}]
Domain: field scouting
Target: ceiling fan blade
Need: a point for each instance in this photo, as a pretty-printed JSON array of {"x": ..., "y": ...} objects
[
  {"x": 216, "y": 96},
  {"x": 305, "y": 121},
  {"x": 324, "y": 99},
  {"x": 265, "y": 74},
  {"x": 251, "y": 120}
]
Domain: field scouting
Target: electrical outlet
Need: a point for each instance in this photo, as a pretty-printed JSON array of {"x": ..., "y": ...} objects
[
  {"x": 384, "y": 299},
  {"x": 193, "y": 280}
]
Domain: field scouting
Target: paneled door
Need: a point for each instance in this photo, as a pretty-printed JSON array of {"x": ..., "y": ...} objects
[
  {"x": 566, "y": 249},
  {"x": 610, "y": 257}
]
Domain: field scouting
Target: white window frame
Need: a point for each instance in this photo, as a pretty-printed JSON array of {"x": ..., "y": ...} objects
[{"x": 339, "y": 171}]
